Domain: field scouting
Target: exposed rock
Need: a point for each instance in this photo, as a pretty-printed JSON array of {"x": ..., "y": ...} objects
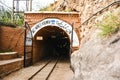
[
  {"x": 86, "y": 9},
  {"x": 98, "y": 58}
]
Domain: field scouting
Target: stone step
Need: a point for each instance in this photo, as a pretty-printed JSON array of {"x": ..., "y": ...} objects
[
  {"x": 8, "y": 55},
  {"x": 8, "y": 66}
]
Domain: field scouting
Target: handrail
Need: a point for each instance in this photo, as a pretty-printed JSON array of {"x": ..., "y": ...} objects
[{"x": 113, "y": 3}]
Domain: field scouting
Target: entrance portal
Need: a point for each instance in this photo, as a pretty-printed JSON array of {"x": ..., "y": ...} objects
[
  {"x": 52, "y": 38},
  {"x": 51, "y": 41}
]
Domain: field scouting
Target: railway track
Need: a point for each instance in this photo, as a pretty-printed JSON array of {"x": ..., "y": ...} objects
[{"x": 45, "y": 71}]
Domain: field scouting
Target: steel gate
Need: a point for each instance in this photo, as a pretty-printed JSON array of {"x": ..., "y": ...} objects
[{"x": 28, "y": 48}]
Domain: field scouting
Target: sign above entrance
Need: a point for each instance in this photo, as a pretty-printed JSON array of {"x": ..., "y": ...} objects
[{"x": 54, "y": 22}]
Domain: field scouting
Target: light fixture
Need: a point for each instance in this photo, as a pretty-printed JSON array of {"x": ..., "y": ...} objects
[{"x": 39, "y": 38}]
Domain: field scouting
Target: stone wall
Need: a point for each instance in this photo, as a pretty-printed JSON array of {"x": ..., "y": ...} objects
[{"x": 12, "y": 39}]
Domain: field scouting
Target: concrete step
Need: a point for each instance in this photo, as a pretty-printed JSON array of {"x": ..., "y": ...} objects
[
  {"x": 8, "y": 55},
  {"x": 8, "y": 66}
]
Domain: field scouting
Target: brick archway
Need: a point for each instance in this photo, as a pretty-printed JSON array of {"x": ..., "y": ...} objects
[{"x": 58, "y": 22}]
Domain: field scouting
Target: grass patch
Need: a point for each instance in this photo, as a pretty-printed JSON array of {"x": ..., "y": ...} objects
[
  {"x": 3, "y": 51},
  {"x": 110, "y": 24}
]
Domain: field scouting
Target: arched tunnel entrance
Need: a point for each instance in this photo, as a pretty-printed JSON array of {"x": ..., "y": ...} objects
[
  {"x": 49, "y": 42},
  {"x": 52, "y": 37}
]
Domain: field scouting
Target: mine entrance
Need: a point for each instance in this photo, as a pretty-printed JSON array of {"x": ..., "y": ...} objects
[{"x": 51, "y": 41}]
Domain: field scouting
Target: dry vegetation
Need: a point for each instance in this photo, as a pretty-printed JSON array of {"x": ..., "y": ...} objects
[{"x": 110, "y": 24}]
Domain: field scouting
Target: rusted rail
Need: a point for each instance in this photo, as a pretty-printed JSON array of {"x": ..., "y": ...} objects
[
  {"x": 39, "y": 70},
  {"x": 52, "y": 69},
  {"x": 43, "y": 68}
]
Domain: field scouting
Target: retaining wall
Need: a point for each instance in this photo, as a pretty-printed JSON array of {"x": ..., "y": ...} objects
[{"x": 12, "y": 39}]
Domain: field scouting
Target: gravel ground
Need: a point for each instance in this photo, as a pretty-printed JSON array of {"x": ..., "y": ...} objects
[{"x": 61, "y": 72}]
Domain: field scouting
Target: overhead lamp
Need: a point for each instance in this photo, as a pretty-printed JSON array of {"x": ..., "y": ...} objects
[{"x": 39, "y": 38}]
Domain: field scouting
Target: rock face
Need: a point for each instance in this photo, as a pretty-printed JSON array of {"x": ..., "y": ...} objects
[
  {"x": 86, "y": 8},
  {"x": 98, "y": 58}
]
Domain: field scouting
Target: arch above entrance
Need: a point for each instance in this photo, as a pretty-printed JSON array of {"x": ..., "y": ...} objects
[{"x": 54, "y": 22}]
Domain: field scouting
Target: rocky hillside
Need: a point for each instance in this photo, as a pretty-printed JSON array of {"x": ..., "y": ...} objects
[
  {"x": 99, "y": 56},
  {"x": 86, "y": 9}
]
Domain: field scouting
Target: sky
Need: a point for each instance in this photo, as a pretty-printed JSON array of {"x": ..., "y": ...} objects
[{"x": 37, "y": 4}]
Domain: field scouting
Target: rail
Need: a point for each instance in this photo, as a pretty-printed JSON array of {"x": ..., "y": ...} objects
[
  {"x": 39, "y": 70},
  {"x": 52, "y": 69},
  {"x": 43, "y": 68}
]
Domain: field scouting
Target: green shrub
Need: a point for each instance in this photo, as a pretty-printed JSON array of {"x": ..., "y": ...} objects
[
  {"x": 110, "y": 24},
  {"x": 5, "y": 19},
  {"x": 19, "y": 19}
]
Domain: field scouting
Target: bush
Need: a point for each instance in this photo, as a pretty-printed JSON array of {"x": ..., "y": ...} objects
[
  {"x": 110, "y": 24},
  {"x": 5, "y": 19}
]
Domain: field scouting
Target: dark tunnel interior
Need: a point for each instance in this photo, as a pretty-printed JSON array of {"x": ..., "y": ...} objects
[{"x": 52, "y": 41}]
